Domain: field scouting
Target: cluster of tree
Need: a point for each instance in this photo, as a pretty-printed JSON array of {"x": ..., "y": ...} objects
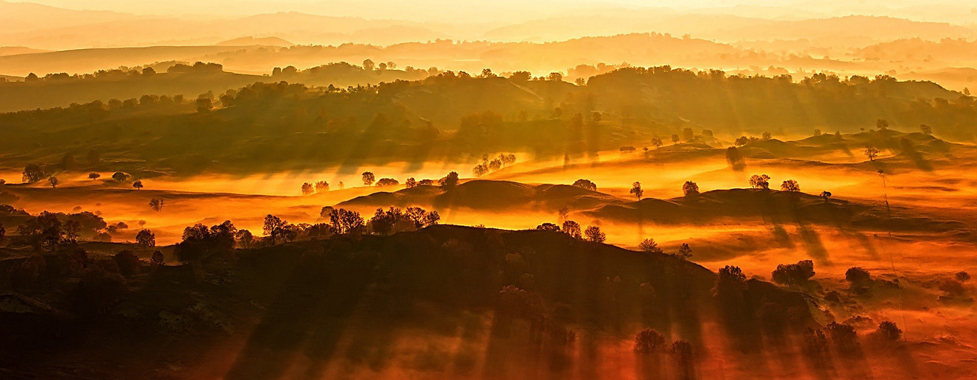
[
  {"x": 394, "y": 220},
  {"x": 497, "y": 163},
  {"x": 320, "y": 186},
  {"x": 651, "y": 246},
  {"x": 592, "y": 234}
]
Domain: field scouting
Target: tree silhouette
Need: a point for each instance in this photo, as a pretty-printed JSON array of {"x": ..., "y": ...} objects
[
  {"x": 53, "y": 181},
  {"x": 449, "y": 181},
  {"x": 735, "y": 158},
  {"x": 346, "y": 222},
  {"x": 274, "y": 227},
  {"x": 882, "y": 124},
  {"x": 94, "y": 175},
  {"x": 889, "y": 331},
  {"x": 156, "y": 204},
  {"x": 690, "y": 188},
  {"x": 595, "y": 235},
  {"x": 790, "y": 186},
  {"x": 871, "y": 153},
  {"x": 684, "y": 252},
  {"x": 825, "y": 195},
  {"x": 308, "y": 189},
  {"x": 120, "y": 176},
  {"x": 146, "y": 238},
  {"x": 321, "y": 186},
  {"x": 585, "y": 184},
  {"x": 571, "y": 228},
  {"x": 761, "y": 181},
  {"x": 244, "y": 238},
  {"x": 649, "y": 246},
  {"x": 636, "y": 190},
  {"x": 766, "y": 136},
  {"x": 548, "y": 227},
  {"x": 368, "y": 178},
  {"x": 649, "y": 341},
  {"x": 410, "y": 183},
  {"x": 384, "y": 182},
  {"x": 157, "y": 260},
  {"x": 137, "y": 185},
  {"x": 794, "y": 275},
  {"x": 927, "y": 130},
  {"x": 33, "y": 173}
]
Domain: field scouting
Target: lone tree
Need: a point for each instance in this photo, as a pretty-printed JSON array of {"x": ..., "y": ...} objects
[
  {"x": 636, "y": 190},
  {"x": 825, "y": 195},
  {"x": 684, "y": 252},
  {"x": 146, "y": 238},
  {"x": 308, "y": 189},
  {"x": 157, "y": 260},
  {"x": 571, "y": 228},
  {"x": 760, "y": 181},
  {"x": 137, "y": 185},
  {"x": 156, "y": 204},
  {"x": 274, "y": 227},
  {"x": 690, "y": 188},
  {"x": 54, "y": 181},
  {"x": 368, "y": 178},
  {"x": 449, "y": 181},
  {"x": 889, "y": 331},
  {"x": 927, "y": 130},
  {"x": 120, "y": 176},
  {"x": 792, "y": 275},
  {"x": 882, "y": 124},
  {"x": 649, "y": 246},
  {"x": 790, "y": 186},
  {"x": 410, "y": 183},
  {"x": 585, "y": 184},
  {"x": 94, "y": 175},
  {"x": 594, "y": 234},
  {"x": 33, "y": 173},
  {"x": 735, "y": 158},
  {"x": 871, "y": 152},
  {"x": 649, "y": 341}
]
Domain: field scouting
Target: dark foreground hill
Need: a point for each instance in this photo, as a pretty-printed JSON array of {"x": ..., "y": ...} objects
[{"x": 511, "y": 304}]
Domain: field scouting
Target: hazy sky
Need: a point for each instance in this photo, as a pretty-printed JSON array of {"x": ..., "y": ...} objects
[{"x": 959, "y": 11}]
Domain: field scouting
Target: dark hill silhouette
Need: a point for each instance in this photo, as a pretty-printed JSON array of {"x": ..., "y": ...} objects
[{"x": 306, "y": 296}]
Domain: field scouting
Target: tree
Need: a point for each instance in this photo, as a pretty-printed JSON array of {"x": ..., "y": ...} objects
[
  {"x": 128, "y": 262},
  {"x": 761, "y": 181},
  {"x": 889, "y": 331},
  {"x": 675, "y": 139},
  {"x": 308, "y": 189},
  {"x": 857, "y": 276},
  {"x": 843, "y": 336},
  {"x": 585, "y": 184},
  {"x": 410, "y": 183},
  {"x": 449, "y": 181},
  {"x": 346, "y": 222},
  {"x": 766, "y": 136},
  {"x": 594, "y": 234},
  {"x": 33, "y": 173},
  {"x": 3, "y": 233},
  {"x": 636, "y": 190},
  {"x": 882, "y": 124},
  {"x": 548, "y": 227},
  {"x": 649, "y": 341},
  {"x": 321, "y": 186},
  {"x": 120, "y": 176},
  {"x": 480, "y": 170},
  {"x": 871, "y": 152},
  {"x": 384, "y": 182},
  {"x": 792, "y": 275},
  {"x": 45, "y": 231},
  {"x": 156, "y": 204},
  {"x": 571, "y": 228},
  {"x": 825, "y": 195},
  {"x": 244, "y": 238},
  {"x": 274, "y": 227},
  {"x": 137, "y": 185},
  {"x": 94, "y": 175},
  {"x": 146, "y": 238},
  {"x": 735, "y": 158},
  {"x": 684, "y": 252},
  {"x": 649, "y": 246},
  {"x": 368, "y": 65},
  {"x": 54, "y": 181},
  {"x": 690, "y": 188},
  {"x": 790, "y": 186},
  {"x": 157, "y": 260},
  {"x": 368, "y": 178},
  {"x": 200, "y": 242}
]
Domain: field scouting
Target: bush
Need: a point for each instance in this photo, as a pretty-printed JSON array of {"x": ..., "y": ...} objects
[{"x": 128, "y": 262}]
